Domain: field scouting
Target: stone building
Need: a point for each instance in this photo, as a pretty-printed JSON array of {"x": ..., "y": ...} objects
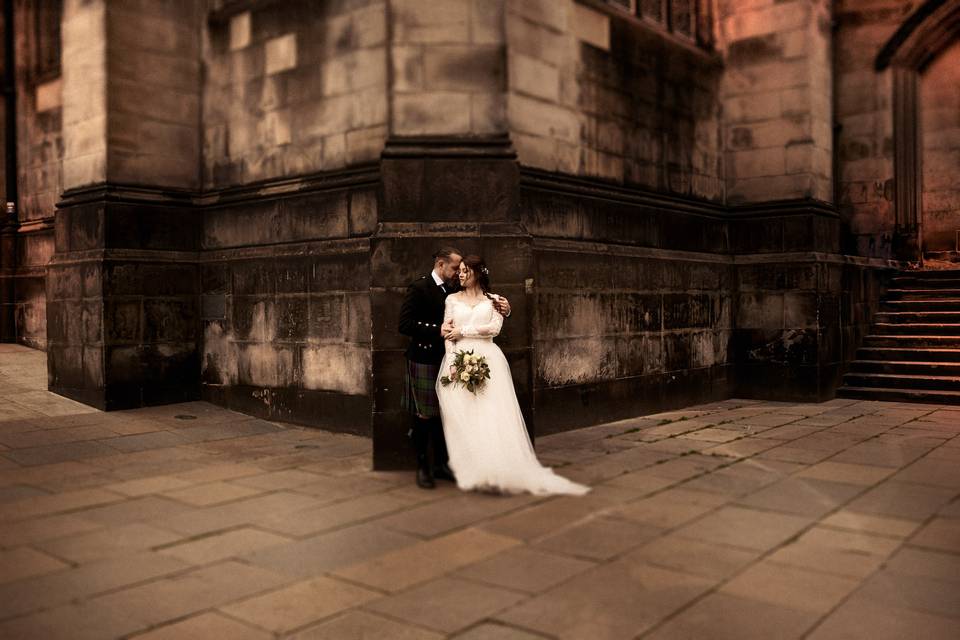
[{"x": 684, "y": 200}]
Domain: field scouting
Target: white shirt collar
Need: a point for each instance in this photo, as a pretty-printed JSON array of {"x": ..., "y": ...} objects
[{"x": 437, "y": 279}]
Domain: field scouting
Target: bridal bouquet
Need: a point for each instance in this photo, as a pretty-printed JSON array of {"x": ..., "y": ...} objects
[{"x": 469, "y": 370}]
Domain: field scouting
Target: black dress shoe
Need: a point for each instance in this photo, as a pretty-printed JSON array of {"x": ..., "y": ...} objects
[
  {"x": 424, "y": 479},
  {"x": 443, "y": 472}
]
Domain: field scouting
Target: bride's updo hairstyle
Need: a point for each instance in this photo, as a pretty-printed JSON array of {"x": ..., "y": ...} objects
[{"x": 476, "y": 264}]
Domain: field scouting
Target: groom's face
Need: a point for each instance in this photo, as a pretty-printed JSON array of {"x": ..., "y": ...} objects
[{"x": 449, "y": 267}]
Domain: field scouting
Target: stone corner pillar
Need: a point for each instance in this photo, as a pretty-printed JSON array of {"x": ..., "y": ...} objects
[
  {"x": 462, "y": 192},
  {"x": 123, "y": 283}
]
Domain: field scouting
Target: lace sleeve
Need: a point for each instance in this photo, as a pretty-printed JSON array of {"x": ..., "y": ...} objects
[
  {"x": 489, "y": 329},
  {"x": 448, "y": 345}
]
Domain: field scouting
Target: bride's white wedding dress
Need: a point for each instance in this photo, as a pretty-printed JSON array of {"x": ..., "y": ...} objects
[{"x": 486, "y": 437}]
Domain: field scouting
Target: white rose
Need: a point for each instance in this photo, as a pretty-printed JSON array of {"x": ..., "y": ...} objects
[{"x": 465, "y": 376}]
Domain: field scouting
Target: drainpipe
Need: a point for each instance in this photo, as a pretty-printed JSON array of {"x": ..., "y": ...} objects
[{"x": 8, "y": 212}]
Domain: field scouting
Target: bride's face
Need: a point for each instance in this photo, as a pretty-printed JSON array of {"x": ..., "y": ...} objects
[{"x": 467, "y": 279}]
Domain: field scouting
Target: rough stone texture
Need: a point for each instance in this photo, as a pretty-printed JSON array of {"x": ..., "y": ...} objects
[
  {"x": 777, "y": 92},
  {"x": 123, "y": 331},
  {"x": 40, "y": 178},
  {"x": 642, "y": 111},
  {"x": 293, "y": 90},
  {"x": 798, "y": 322},
  {"x": 621, "y": 324},
  {"x": 865, "y": 120},
  {"x": 940, "y": 123},
  {"x": 449, "y": 71},
  {"x": 153, "y": 49},
  {"x": 84, "y": 47},
  {"x": 286, "y": 333}
]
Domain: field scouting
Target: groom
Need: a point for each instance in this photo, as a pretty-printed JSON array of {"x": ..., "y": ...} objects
[{"x": 421, "y": 318}]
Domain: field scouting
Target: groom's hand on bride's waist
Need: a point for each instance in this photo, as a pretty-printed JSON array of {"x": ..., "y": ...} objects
[{"x": 502, "y": 305}]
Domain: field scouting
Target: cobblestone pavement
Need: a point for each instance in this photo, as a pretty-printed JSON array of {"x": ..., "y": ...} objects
[{"x": 738, "y": 519}]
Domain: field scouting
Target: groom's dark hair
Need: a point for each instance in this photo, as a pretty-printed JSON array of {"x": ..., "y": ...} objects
[{"x": 444, "y": 253}]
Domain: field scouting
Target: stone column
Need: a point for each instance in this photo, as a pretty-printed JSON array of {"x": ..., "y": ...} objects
[
  {"x": 778, "y": 163},
  {"x": 777, "y": 93},
  {"x": 449, "y": 177},
  {"x": 123, "y": 283}
]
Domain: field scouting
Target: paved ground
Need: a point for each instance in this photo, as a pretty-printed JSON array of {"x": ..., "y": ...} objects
[{"x": 738, "y": 519}]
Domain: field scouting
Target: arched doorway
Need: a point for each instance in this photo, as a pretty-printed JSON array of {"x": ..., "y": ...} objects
[{"x": 919, "y": 55}]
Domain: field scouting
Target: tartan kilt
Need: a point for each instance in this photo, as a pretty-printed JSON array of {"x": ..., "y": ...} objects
[{"x": 420, "y": 389}]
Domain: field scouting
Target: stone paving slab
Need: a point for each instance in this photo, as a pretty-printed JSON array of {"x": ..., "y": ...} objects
[{"x": 735, "y": 519}]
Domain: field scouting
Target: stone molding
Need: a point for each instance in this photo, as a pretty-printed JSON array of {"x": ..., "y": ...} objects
[
  {"x": 541, "y": 180},
  {"x": 924, "y": 34},
  {"x": 499, "y": 147},
  {"x": 368, "y": 174}
]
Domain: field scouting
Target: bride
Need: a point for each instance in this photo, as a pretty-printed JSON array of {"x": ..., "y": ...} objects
[{"x": 486, "y": 437}]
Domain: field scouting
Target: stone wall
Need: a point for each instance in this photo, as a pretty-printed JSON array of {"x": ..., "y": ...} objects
[
  {"x": 39, "y": 168},
  {"x": 865, "y": 124},
  {"x": 153, "y": 92},
  {"x": 940, "y": 124},
  {"x": 777, "y": 89},
  {"x": 293, "y": 90},
  {"x": 286, "y": 306},
  {"x": 122, "y": 299},
  {"x": 448, "y": 68},
  {"x": 633, "y": 302},
  {"x": 594, "y": 92}
]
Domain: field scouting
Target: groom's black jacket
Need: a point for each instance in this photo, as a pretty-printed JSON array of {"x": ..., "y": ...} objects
[{"x": 421, "y": 317}]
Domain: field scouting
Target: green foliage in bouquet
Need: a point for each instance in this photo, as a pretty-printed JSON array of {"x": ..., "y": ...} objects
[{"x": 468, "y": 370}]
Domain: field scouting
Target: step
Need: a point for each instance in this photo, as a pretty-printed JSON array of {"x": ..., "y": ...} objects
[
  {"x": 943, "y": 304},
  {"x": 912, "y": 341},
  {"x": 900, "y": 395},
  {"x": 902, "y": 381},
  {"x": 921, "y": 294},
  {"x": 899, "y": 317},
  {"x": 916, "y": 329},
  {"x": 899, "y": 354},
  {"x": 912, "y": 282},
  {"x": 930, "y": 274},
  {"x": 908, "y": 367}
]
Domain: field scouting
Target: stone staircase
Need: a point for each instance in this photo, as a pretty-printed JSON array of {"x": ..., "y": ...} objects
[{"x": 913, "y": 350}]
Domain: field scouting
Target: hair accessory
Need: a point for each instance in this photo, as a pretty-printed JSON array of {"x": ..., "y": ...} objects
[{"x": 485, "y": 271}]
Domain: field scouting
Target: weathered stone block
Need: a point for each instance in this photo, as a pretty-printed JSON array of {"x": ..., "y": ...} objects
[
  {"x": 169, "y": 320},
  {"x": 762, "y": 311},
  {"x": 345, "y": 272},
  {"x": 240, "y": 31},
  {"x": 542, "y": 119},
  {"x": 486, "y": 21},
  {"x": 281, "y": 53},
  {"x": 123, "y": 321},
  {"x": 431, "y": 113},
  {"x": 326, "y": 318},
  {"x": 464, "y": 68},
  {"x": 415, "y": 22},
  {"x": 534, "y": 77},
  {"x": 344, "y": 368}
]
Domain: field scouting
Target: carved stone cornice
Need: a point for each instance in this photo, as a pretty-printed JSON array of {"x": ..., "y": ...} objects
[
  {"x": 498, "y": 147},
  {"x": 541, "y": 180}
]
